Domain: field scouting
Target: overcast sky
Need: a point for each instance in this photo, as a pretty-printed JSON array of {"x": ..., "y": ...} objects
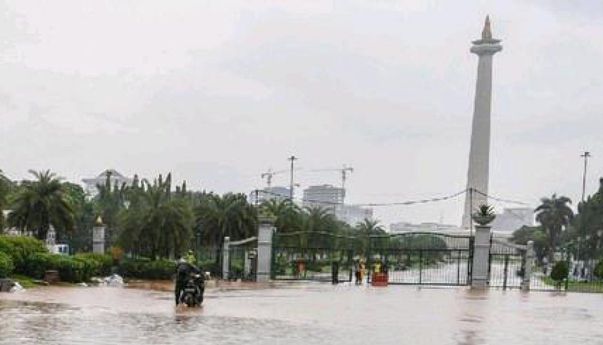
[{"x": 219, "y": 91}]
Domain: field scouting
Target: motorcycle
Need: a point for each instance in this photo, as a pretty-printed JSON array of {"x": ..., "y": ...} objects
[{"x": 192, "y": 294}]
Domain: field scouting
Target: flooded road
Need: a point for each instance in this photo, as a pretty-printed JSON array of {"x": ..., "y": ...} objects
[{"x": 308, "y": 314}]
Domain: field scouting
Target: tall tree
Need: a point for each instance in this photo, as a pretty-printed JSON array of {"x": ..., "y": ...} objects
[
  {"x": 159, "y": 223},
  {"x": 40, "y": 204},
  {"x": 109, "y": 201},
  {"x": 5, "y": 187},
  {"x": 228, "y": 215},
  {"x": 370, "y": 227},
  {"x": 588, "y": 223},
  {"x": 288, "y": 215},
  {"x": 554, "y": 214}
]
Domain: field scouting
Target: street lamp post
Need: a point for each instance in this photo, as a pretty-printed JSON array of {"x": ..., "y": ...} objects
[{"x": 585, "y": 155}]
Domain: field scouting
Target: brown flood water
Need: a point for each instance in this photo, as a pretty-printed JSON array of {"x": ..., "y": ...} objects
[{"x": 301, "y": 314}]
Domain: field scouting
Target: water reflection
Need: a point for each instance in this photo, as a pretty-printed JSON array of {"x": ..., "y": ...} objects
[{"x": 316, "y": 314}]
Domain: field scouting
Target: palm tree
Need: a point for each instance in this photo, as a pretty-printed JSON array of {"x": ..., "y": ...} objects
[
  {"x": 5, "y": 186},
  {"x": 288, "y": 214},
  {"x": 109, "y": 202},
  {"x": 319, "y": 219},
  {"x": 228, "y": 215},
  {"x": 159, "y": 223},
  {"x": 554, "y": 214},
  {"x": 370, "y": 227},
  {"x": 40, "y": 204}
]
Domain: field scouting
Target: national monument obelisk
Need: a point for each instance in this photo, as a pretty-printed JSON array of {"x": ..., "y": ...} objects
[{"x": 479, "y": 155}]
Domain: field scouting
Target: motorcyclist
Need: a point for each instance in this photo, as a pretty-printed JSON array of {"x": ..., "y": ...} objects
[{"x": 184, "y": 269}]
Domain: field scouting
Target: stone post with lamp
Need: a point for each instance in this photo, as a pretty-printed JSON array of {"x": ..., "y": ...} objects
[
  {"x": 264, "y": 251},
  {"x": 98, "y": 236},
  {"x": 481, "y": 246}
]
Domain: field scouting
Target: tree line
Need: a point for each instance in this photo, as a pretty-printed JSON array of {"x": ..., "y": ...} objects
[
  {"x": 153, "y": 218},
  {"x": 561, "y": 229}
]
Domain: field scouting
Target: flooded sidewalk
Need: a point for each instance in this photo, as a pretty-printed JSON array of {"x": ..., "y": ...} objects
[{"x": 301, "y": 314}]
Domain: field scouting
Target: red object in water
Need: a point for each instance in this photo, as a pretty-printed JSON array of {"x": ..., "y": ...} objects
[{"x": 379, "y": 279}]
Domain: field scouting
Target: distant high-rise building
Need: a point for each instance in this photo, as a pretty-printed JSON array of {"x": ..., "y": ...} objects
[
  {"x": 353, "y": 214},
  {"x": 331, "y": 198},
  {"x": 101, "y": 179},
  {"x": 325, "y": 196},
  {"x": 269, "y": 193}
]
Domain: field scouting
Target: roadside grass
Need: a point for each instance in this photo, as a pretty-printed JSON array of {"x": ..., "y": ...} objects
[
  {"x": 25, "y": 281},
  {"x": 578, "y": 286}
]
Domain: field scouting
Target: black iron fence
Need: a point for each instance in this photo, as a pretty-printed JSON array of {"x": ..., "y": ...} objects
[
  {"x": 421, "y": 258},
  {"x": 506, "y": 264},
  {"x": 319, "y": 256}
]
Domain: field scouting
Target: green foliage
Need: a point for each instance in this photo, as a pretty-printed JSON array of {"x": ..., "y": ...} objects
[
  {"x": 71, "y": 269},
  {"x": 560, "y": 271},
  {"x": 6, "y": 265},
  {"x": 535, "y": 234},
  {"x": 228, "y": 215},
  {"x": 5, "y": 189},
  {"x": 554, "y": 214},
  {"x": 598, "y": 272},
  {"x": 19, "y": 248},
  {"x": 158, "y": 223},
  {"x": 484, "y": 215},
  {"x": 104, "y": 262},
  {"x": 146, "y": 269},
  {"x": 40, "y": 204}
]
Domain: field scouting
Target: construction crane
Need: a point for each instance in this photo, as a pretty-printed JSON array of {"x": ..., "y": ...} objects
[{"x": 268, "y": 176}]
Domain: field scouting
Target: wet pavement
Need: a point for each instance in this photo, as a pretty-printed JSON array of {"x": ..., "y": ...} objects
[{"x": 301, "y": 314}]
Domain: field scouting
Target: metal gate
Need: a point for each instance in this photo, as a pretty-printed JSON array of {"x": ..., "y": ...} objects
[
  {"x": 506, "y": 264},
  {"x": 319, "y": 256},
  {"x": 422, "y": 258},
  {"x": 242, "y": 263}
]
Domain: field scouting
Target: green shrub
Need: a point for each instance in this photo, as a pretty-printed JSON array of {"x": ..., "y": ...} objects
[
  {"x": 145, "y": 269},
  {"x": 6, "y": 265},
  {"x": 105, "y": 262},
  {"x": 19, "y": 248},
  {"x": 71, "y": 269},
  {"x": 560, "y": 271},
  {"x": 598, "y": 272}
]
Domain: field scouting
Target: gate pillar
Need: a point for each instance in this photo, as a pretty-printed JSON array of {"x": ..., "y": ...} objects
[
  {"x": 264, "y": 255},
  {"x": 481, "y": 257},
  {"x": 529, "y": 263},
  {"x": 226, "y": 258}
]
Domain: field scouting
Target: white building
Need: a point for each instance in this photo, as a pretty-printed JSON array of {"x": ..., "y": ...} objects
[
  {"x": 353, "y": 214},
  {"x": 269, "y": 193},
  {"x": 331, "y": 198},
  {"x": 101, "y": 179},
  {"x": 422, "y": 227},
  {"x": 512, "y": 219},
  {"x": 325, "y": 196}
]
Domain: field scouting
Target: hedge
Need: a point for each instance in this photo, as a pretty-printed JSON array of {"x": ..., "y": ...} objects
[
  {"x": 105, "y": 262},
  {"x": 146, "y": 269},
  {"x": 71, "y": 268},
  {"x": 19, "y": 248},
  {"x": 6, "y": 265}
]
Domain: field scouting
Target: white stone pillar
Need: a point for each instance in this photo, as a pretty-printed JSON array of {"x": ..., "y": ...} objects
[
  {"x": 529, "y": 263},
  {"x": 264, "y": 254},
  {"x": 479, "y": 155},
  {"x": 98, "y": 237},
  {"x": 226, "y": 258},
  {"x": 481, "y": 257}
]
